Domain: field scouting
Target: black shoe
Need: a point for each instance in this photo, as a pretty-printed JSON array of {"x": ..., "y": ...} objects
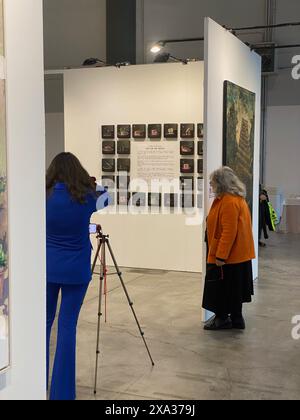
[
  {"x": 217, "y": 324},
  {"x": 238, "y": 323}
]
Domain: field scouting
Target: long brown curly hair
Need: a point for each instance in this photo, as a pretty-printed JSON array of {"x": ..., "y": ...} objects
[{"x": 67, "y": 169}]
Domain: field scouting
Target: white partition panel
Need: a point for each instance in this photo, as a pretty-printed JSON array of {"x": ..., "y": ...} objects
[
  {"x": 229, "y": 59},
  {"x": 26, "y": 378},
  {"x": 151, "y": 94}
]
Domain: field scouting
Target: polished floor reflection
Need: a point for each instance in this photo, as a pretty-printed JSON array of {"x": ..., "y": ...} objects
[{"x": 261, "y": 363}]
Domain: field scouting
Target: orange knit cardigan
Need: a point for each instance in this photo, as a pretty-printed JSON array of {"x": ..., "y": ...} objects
[{"x": 229, "y": 230}]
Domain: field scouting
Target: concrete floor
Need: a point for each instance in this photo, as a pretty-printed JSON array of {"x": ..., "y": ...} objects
[{"x": 261, "y": 363}]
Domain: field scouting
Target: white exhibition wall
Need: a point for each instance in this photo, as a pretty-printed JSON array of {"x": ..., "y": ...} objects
[
  {"x": 227, "y": 58},
  {"x": 26, "y": 378},
  {"x": 282, "y": 166},
  {"x": 159, "y": 93}
]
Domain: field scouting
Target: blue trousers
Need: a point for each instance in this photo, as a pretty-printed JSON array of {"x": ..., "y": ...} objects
[{"x": 63, "y": 385}]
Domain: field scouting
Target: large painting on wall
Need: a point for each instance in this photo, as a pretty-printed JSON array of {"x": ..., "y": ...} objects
[
  {"x": 239, "y": 131},
  {"x": 4, "y": 285}
]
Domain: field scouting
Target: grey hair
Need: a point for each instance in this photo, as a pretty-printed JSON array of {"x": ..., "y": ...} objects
[{"x": 227, "y": 182}]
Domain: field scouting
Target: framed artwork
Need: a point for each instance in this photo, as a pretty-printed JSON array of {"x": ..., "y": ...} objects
[
  {"x": 200, "y": 148},
  {"x": 239, "y": 134},
  {"x": 124, "y": 165},
  {"x": 187, "y": 166},
  {"x": 108, "y": 132},
  {"x": 139, "y": 131},
  {"x": 187, "y": 201},
  {"x": 108, "y": 182},
  {"x": 155, "y": 131},
  {"x": 124, "y": 131},
  {"x": 187, "y": 148},
  {"x": 154, "y": 199},
  {"x": 171, "y": 131},
  {"x": 200, "y": 184},
  {"x": 108, "y": 148},
  {"x": 108, "y": 165},
  {"x": 187, "y": 131},
  {"x": 187, "y": 183},
  {"x": 200, "y": 131},
  {"x": 4, "y": 245},
  {"x": 200, "y": 201},
  {"x": 139, "y": 199},
  {"x": 123, "y": 182},
  {"x": 171, "y": 201},
  {"x": 124, "y": 147},
  {"x": 200, "y": 166},
  {"x": 123, "y": 198}
]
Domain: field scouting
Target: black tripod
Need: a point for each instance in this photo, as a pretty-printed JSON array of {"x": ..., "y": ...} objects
[{"x": 103, "y": 241}]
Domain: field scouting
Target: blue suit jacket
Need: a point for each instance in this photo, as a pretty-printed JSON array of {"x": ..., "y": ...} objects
[{"x": 68, "y": 241}]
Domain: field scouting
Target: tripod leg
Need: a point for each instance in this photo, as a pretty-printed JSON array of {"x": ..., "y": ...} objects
[
  {"x": 102, "y": 275},
  {"x": 128, "y": 298},
  {"x": 97, "y": 255}
]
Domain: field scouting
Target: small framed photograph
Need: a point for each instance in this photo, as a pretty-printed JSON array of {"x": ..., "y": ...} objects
[
  {"x": 187, "y": 201},
  {"x": 200, "y": 148},
  {"x": 200, "y": 184},
  {"x": 155, "y": 131},
  {"x": 187, "y": 131},
  {"x": 108, "y": 148},
  {"x": 200, "y": 131},
  {"x": 200, "y": 201},
  {"x": 108, "y": 132},
  {"x": 171, "y": 131},
  {"x": 124, "y": 131},
  {"x": 187, "y": 183},
  {"x": 187, "y": 166},
  {"x": 108, "y": 165},
  {"x": 123, "y": 182},
  {"x": 171, "y": 201},
  {"x": 154, "y": 199},
  {"x": 187, "y": 148},
  {"x": 139, "y": 199},
  {"x": 124, "y": 165},
  {"x": 124, "y": 147},
  {"x": 200, "y": 166},
  {"x": 123, "y": 198},
  {"x": 139, "y": 131},
  {"x": 108, "y": 182}
]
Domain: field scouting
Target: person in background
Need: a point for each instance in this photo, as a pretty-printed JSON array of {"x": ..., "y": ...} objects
[
  {"x": 229, "y": 281},
  {"x": 71, "y": 200}
]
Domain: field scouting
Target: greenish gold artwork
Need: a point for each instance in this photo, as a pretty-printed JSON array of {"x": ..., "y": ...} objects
[
  {"x": 239, "y": 133},
  {"x": 4, "y": 278}
]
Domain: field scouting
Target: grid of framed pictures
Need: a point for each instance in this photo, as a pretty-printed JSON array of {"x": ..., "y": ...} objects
[{"x": 116, "y": 158}]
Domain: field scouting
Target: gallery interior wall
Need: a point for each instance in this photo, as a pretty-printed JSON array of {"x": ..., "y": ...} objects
[
  {"x": 73, "y": 31},
  {"x": 282, "y": 167},
  {"x": 137, "y": 95},
  {"x": 157, "y": 19},
  {"x": 227, "y": 58},
  {"x": 26, "y": 173}
]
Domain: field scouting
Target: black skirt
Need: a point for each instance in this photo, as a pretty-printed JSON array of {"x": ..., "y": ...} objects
[{"x": 228, "y": 287}]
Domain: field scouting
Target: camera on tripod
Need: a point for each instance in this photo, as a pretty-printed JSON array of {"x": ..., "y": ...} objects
[{"x": 94, "y": 229}]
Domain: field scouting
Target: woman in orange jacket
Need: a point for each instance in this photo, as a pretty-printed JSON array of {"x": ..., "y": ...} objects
[{"x": 229, "y": 280}]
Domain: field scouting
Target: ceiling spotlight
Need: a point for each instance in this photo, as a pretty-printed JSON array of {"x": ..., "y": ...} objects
[
  {"x": 157, "y": 47},
  {"x": 93, "y": 62},
  {"x": 165, "y": 57},
  {"x": 124, "y": 64}
]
